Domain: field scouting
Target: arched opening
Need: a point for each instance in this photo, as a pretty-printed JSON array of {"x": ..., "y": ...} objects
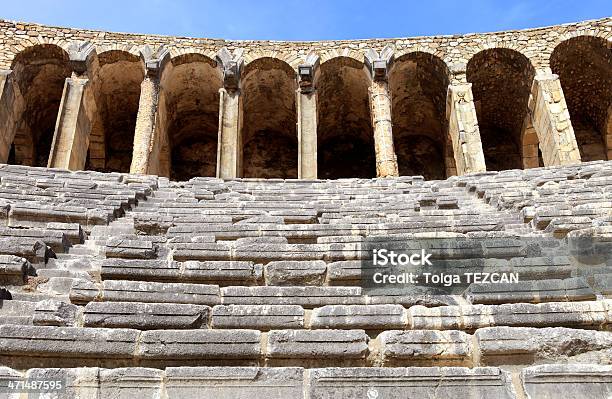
[
  {"x": 584, "y": 66},
  {"x": 418, "y": 83},
  {"x": 501, "y": 82},
  {"x": 191, "y": 98},
  {"x": 111, "y": 141},
  {"x": 269, "y": 132},
  {"x": 345, "y": 136},
  {"x": 40, "y": 72}
]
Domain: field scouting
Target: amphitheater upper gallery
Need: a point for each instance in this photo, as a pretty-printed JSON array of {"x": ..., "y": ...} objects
[{"x": 183, "y": 107}]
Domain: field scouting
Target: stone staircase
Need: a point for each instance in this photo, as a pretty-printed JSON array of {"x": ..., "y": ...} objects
[{"x": 134, "y": 286}]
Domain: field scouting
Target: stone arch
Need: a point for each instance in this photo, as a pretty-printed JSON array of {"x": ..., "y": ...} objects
[
  {"x": 269, "y": 132},
  {"x": 584, "y": 66},
  {"x": 190, "y": 52},
  {"x": 125, "y": 48},
  {"x": 40, "y": 72},
  {"x": 345, "y": 135},
  {"x": 189, "y": 116},
  {"x": 346, "y": 52},
  {"x": 501, "y": 83},
  {"x": 117, "y": 88},
  {"x": 258, "y": 56},
  {"x": 418, "y": 83}
]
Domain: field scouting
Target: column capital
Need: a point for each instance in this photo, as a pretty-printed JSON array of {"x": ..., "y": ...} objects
[
  {"x": 377, "y": 64},
  {"x": 231, "y": 65},
  {"x": 155, "y": 60},
  {"x": 307, "y": 72},
  {"x": 544, "y": 75},
  {"x": 462, "y": 91},
  {"x": 458, "y": 72},
  {"x": 81, "y": 55}
]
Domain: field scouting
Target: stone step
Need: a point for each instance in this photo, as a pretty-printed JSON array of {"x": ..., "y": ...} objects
[
  {"x": 571, "y": 289},
  {"x": 35, "y": 251},
  {"x": 14, "y": 270},
  {"x": 596, "y": 315},
  {"x": 491, "y": 346},
  {"x": 217, "y": 272},
  {"x": 145, "y": 316},
  {"x": 526, "y": 345},
  {"x": 567, "y": 380},
  {"x": 83, "y": 291},
  {"x": 543, "y": 381}
]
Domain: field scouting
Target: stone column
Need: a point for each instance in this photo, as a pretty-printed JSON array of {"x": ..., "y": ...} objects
[
  {"x": 229, "y": 141},
  {"x": 145, "y": 157},
  {"x": 306, "y": 106},
  {"x": 378, "y": 65},
  {"x": 463, "y": 129},
  {"x": 380, "y": 109},
  {"x": 229, "y": 146},
  {"x": 529, "y": 144},
  {"x": 11, "y": 107},
  {"x": 307, "y": 134},
  {"x": 76, "y": 112},
  {"x": 145, "y": 124},
  {"x": 608, "y": 134},
  {"x": 551, "y": 121},
  {"x": 71, "y": 137}
]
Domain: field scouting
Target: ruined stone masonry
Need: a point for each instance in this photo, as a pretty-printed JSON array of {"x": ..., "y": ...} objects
[
  {"x": 183, "y": 107},
  {"x": 188, "y": 218}
]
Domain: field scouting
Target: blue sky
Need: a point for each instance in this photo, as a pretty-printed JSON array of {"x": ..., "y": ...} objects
[{"x": 303, "y": 19}]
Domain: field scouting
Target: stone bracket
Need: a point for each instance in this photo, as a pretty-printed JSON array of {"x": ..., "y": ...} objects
[
  {"x": 155, "y": 61},
  {"x": 231, "y": 64},
  {"x": 378, "y": 65},
  {"x": 81, "y": 55},
  {"x": 307, "y": 72}
]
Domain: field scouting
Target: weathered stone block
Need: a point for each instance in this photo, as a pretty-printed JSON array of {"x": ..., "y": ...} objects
[
  {"x": 295, "y": 272},
  {"x": 199, "y": 345},
  {"x": 259, "y": 317},
  {"x": 33, "y": 250},
  {"x": 46, "y": 341},
  {"x": 221, "y": 272},
  {"x": 234, "y": 382},
  {"x": 130, "y": 383},
  {"x": 13, "y": 269},
  {"x": 145, "y": 316},
  {"x": 140, "y": 269},
  {"x": 307, "y": 297},
  {"x": 552, "y": 314},
  {"x": 317, "y": 344},
  {"x": 117, "y": 247},
  {"x": 425, "y": 347},
  {"x": 550, "y": 381},
  {"x": 77, "y": 383},
  {"x": 55, "y": 313},
  {"x": 572, "y": 289},
  {"x": 409, "y": 382},
  {"x": 368, "y": 317},
  {"x": 138, "y": 291},
  {"x": 525, "y": 345}
]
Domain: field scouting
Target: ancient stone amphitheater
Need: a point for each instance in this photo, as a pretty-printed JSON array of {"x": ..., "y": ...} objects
[{"x": 189, "y": 218}]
